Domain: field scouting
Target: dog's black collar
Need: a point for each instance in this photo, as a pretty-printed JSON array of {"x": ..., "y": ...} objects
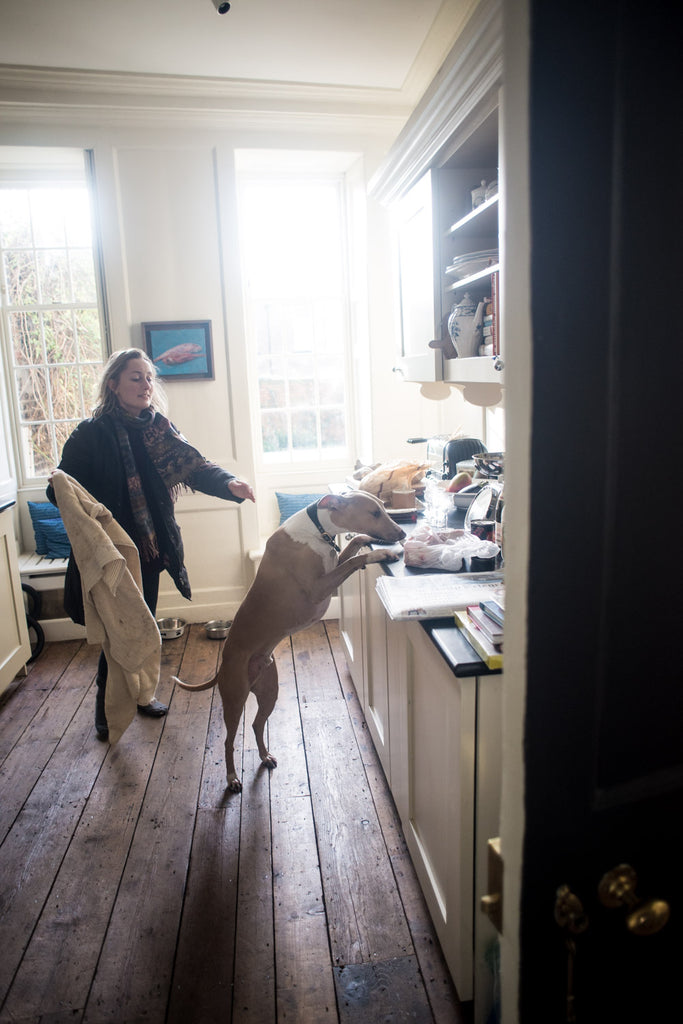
[{"x": 312, "y": 511}]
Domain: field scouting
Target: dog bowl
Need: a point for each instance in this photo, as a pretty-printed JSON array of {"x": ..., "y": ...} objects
[
  {"x": 217, "y": 629},
  {"x": 171, "y": 629}
]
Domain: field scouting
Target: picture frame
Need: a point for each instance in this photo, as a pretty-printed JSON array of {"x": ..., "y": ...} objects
[{"x": 180, "y": 349}]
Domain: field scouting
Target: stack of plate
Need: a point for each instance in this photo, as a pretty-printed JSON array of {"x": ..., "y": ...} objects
[{"x": 472, "y": 262}]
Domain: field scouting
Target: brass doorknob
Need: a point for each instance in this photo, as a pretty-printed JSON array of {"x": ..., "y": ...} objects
[{"x": 617, "y": 888}]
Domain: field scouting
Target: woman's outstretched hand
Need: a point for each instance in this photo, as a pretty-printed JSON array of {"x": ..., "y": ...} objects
[{"x": 241, "y": 489}]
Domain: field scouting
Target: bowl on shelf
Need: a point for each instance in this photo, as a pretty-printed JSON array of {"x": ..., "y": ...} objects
[
  {"x": 490, "y": 464},
  {"x": 218, "y": 629},
  {"x": 171, "y": 629}
]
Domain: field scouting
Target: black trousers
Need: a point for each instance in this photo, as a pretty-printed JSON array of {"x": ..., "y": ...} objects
[{"x": 150, "y": 592}]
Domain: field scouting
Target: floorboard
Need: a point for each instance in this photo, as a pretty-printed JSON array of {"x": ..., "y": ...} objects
[{"x": 135, "y": 887}]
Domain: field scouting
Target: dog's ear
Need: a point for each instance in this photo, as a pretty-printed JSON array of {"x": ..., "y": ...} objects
[{"x": 331, "y": 502}]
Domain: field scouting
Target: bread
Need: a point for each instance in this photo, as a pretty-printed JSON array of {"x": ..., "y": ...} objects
[{"x": 399, "y": 475}]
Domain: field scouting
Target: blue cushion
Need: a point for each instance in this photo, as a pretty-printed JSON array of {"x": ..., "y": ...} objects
[
  {"x": 291, "y": 503},
  {"x": 49, "y": 531},
  {"x": 56, "y": 540}
]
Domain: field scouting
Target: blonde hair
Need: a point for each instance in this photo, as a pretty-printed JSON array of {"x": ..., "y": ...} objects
[{"x": 114, "y": 367}]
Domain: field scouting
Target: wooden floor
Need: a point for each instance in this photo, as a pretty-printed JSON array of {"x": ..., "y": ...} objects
[{"x": 134, "y": 887}]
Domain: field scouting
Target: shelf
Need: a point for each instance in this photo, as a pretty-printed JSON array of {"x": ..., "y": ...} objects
[
  {"x": 476, "y": 369},
  {"x": 465, "y": 282},
  {"x": 482, "y": 220}
]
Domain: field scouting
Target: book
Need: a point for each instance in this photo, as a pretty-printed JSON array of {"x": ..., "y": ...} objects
[
  {"x": 495, "y": 304},
  {"x": 489, "y": 628},
  {"x": 490, "y": 654},
  {"x": 495, "y": 609},
  {"x": 435, "y": 595}
]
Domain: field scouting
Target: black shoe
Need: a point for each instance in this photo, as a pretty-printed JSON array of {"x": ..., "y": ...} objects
[
  {"x": 101, "y": 726},
  {"x": 155, "y": 709}
]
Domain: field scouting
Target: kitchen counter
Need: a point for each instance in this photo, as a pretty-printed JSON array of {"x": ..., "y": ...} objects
[{"x": 461, "y": 657}]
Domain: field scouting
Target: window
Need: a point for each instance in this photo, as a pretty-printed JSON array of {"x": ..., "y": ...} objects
[
  {"x": 51, "y": 322},
  {"x": 293, "y": 242}
]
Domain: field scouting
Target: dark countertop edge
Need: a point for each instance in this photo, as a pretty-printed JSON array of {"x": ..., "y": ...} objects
[{"x": 451, "y": 641}]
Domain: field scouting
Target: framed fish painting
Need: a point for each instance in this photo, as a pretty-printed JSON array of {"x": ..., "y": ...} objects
[{"x": 180, "y": 349}]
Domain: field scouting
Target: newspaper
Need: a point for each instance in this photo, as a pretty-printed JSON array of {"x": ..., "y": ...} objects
[{"x": 435, "y": 596}]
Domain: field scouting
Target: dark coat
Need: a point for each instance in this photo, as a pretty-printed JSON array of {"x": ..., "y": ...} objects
[{"x": 92, "y": 456}]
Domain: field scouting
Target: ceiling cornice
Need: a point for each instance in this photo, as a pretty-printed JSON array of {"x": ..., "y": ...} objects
[{"x": 28, "y": 89}]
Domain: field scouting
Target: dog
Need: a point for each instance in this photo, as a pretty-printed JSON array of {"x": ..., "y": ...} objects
[{"x": 301, "y": 569}]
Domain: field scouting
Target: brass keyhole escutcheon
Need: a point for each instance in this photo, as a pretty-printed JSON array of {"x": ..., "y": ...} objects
[{"x": 617, "y": 888}]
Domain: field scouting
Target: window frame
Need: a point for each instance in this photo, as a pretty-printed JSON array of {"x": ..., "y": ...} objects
[
  {"x": 341, "y": 169},
  {"x": 44, "y": 169}
]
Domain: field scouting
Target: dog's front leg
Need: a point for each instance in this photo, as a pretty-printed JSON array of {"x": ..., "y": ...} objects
[
  {"x": 361, "y": 540},
  {"x": 326, "y": 586}
]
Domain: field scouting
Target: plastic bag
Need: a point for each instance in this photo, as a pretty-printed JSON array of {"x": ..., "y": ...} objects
[{"x": 452, "y": 550}]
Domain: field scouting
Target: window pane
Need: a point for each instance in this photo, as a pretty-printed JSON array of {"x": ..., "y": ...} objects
[
  {"x": 274, "y": 432},
  {"x": 32, "y": 392},
  {"x": 60, "y": 344},
  {"x": 272, "y": 394},
  {"x": 332, "y": 428},
  {"x": 39, "y": 453},
  {"x": 15, "y": 219},
  {"x": 47, "y": 212},
  {"x": 83, "y": 276},
  {"x": 302, "y": 392},
  {"x": 88, "y": 334},
  {"x": 20, "y": 278},
  {"x": 331, "y": 391},
  {"x": 53, "y": 276},
  {"x": 304, "y": 432},
  {"x": 25, "y": 334},
  {"x": 66, "y": 392}
]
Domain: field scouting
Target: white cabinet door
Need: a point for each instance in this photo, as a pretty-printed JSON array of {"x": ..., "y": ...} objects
[
  {"x": 376, "y": 679},
  {"x": 487, "y": 811},
  {"x": 15, "y": 647},
  {"x": 434, "y": 791},
  {"x": 351, "y": 616}
]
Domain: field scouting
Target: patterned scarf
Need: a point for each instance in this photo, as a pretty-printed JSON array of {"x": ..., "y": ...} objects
[{"x": 174, "y": 459}]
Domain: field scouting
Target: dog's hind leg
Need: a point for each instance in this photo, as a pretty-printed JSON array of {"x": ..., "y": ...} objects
[{"x": 265, "y": 690}]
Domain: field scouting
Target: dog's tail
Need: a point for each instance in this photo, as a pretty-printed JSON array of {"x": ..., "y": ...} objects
[{"x": 194, "y": 686}]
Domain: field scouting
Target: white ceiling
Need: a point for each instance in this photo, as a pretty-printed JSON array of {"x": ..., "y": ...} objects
[{"x": 378, "y": 44}]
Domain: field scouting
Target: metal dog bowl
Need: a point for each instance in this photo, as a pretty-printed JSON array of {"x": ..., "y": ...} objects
[
  {"x": 171, "y": 629},
  {"x": 217, "y": 629}
]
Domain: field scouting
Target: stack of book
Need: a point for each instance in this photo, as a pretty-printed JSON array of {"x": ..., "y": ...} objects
[
  {"x": 486, "y": 347},
  {"x": 483, "y": 626},
  {"x": 490, "y": 344}
]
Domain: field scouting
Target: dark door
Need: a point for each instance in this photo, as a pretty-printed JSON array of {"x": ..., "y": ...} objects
[{"x": 604, "y": 717}]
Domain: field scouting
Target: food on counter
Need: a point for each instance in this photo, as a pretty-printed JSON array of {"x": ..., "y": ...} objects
[
  {"x": 459, "y": 481},
  {"x": 360, "y": 470},
  {"x": 452, "y": 550},
  {"x": 399, "y": 475}
]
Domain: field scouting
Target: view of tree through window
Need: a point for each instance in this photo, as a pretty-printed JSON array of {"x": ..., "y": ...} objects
[
  {"x": 50, "y": 313},
  {"x": 292, "y": 242}
]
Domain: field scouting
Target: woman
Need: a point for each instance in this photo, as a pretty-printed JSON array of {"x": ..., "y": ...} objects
[{"x": 133, "y": 460}]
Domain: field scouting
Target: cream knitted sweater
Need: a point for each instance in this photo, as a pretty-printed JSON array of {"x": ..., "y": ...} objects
[{"x": 116, "y": 616}]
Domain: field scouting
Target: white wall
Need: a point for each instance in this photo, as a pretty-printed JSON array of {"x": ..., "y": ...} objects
[{"x": 167, "y": 210}]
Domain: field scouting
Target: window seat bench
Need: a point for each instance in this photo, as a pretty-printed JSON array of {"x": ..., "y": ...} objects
[{"x": 46, "y": 576}]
